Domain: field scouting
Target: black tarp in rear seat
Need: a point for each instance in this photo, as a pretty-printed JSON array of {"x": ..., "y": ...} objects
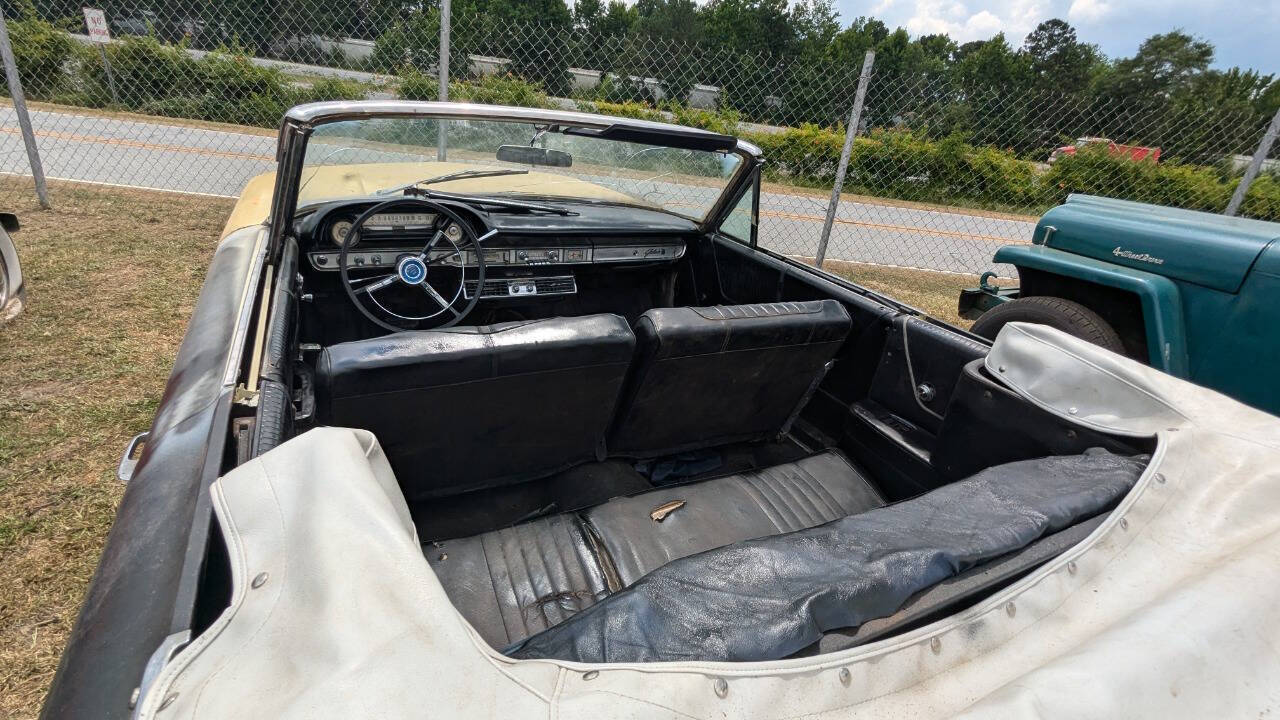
[{"x": 765, "y": 599}]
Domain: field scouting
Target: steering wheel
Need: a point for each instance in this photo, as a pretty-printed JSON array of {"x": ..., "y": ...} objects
[{"x": 413, "y": 272}]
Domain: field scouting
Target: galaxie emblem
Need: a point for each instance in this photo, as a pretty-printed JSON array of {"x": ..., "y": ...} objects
[{"x": 1131, "y": 255}]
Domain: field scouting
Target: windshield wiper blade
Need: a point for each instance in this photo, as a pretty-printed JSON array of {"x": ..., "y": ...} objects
[
  {"x": 490, "y": 201},
  {"x": 460, "y": 175}
]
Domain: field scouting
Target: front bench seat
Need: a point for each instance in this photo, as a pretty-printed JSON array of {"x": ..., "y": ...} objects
[
  {"x": 467, "y": 408},
  {"x": 516, "y": 582},
  {"x": 706, "y": 376}
]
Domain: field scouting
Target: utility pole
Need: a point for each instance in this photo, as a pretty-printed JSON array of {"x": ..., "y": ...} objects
[
  {"x": 1255, "y": 166},
  {"x": 24, "y": 120},
  {"x": 442, "y": 65},
  {"x": 855, "y": 118}
]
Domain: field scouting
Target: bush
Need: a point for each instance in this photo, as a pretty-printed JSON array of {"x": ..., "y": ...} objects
[
  {"x": 412, "y": 43},
  {"x": 1095, "y": 171},
  {"x": 328, "y": 88},
  {"x": 633, "y": 110},
  {"x": 806, "y": 155},
  {"x": 414, "y": 85},
  {"x": 503, "y": 89},
  {"x": 223, "y": 86},
  {"x": 1263, "y": 199},
  {"x": 723, "y": 121},
  {"x": 42, "y": 51}
]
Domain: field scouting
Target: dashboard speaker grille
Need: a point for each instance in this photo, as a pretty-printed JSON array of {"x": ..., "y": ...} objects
[{"x": 521, "y": 287}]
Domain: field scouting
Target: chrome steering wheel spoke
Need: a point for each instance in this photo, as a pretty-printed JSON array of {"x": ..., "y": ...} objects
[
  {"x": 380, "y": 282},
  {"x": 435, "y": 295}
]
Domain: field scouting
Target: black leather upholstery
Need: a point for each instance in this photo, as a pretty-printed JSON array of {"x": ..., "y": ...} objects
[
  {"x": 472, "y": 407},
  {"x": 919, "y": 369},
  {"x": 707, "y": 376},
  {"x": 512, "y": 583},
  {"x": 518, "y": 581},
  {"x": 775, "y": 500}
]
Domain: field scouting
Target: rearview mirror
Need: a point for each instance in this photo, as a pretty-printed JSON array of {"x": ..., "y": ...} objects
[{"x": 525, "y": 155}]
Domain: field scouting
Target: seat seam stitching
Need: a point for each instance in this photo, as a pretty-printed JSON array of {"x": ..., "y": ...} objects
[
  {"x": 493, "y": 583},
  {"x": 528, "y": 571},
  {"x": 757, "y": 494},
  {"x": 528, "y": 576},
  {"x": 769, "y": 479},
  {"x": 785, "y": 488},
  {"x": 820, "y": 491}
]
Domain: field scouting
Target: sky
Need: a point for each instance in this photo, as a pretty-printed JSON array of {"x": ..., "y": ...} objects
[{"x": 1245, "y": 32}]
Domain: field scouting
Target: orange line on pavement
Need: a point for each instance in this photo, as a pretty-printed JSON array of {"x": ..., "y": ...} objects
[{"x": 59, "y": 135}]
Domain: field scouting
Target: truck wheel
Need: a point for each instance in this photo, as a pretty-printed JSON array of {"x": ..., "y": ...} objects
[{"x": 1065, "y": 315}]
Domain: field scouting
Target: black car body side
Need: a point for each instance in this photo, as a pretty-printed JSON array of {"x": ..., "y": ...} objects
[{"x": 143, "y": 590}]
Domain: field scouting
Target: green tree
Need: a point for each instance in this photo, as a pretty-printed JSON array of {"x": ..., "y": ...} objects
[
  {"x": 668, "y": 20},
  {"x": 850, "y": 45},
  {"x": 754, "y": 26},
  {"x": 815, "y": 24},
  {"x": 1163, "y": 66},
  {"x": 1058, "y": 60},
  {"x": 600, "y": 31}
]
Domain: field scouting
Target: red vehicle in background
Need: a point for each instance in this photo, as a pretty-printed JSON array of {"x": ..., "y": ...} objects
[{"x": 1137, "y": 153}]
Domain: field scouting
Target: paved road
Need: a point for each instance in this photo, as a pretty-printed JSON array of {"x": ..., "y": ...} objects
[{"x": 185, "y": 159}]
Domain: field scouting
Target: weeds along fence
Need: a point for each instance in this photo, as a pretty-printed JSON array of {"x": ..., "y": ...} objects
[{"x": 943, "y": 170}]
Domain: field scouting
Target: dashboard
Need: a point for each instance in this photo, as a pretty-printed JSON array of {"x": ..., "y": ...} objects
[{"x": 522, "y": 259}]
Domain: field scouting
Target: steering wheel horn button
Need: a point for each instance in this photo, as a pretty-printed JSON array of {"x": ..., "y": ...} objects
[{"x": 412, "y": 270}]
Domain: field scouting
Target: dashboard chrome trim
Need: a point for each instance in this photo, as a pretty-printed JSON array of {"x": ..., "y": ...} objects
[{"x": 369, "y": 257}]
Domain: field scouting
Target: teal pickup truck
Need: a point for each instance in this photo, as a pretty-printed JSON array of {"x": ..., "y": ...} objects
[{"x": 1194, "y": 294}]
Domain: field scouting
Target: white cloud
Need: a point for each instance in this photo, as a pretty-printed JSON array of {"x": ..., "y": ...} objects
[
  {"x": 982, "y": 25},
  {"x": 1015, "y": 18},
  {"x": 882, "y": 7},
  {"x": 1088, "y": 11}
]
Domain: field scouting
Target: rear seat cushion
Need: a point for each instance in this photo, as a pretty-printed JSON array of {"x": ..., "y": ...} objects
[
  {"x": 706, "y": 376},
  {"x": 720, "y": 512},
  {"x": 515, "y": 582}
]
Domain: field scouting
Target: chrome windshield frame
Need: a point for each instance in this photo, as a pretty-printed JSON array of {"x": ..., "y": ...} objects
[{"x": 300, "y": 121}]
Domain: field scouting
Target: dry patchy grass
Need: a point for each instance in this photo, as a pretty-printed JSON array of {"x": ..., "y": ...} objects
[
  {"x": 112, "y": 276},
  {"x": 936, "y": 293}
]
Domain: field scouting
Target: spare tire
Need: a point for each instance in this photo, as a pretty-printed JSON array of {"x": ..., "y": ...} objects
[{"x": 1065, "y": 315}]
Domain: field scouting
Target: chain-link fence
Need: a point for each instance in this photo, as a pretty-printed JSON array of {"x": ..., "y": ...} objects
[{"x": 946, "y": 167}]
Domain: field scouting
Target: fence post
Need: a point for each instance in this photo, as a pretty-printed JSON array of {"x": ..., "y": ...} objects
[
  {"x": 855, "y": 117},
  {"x": 1255, "y": 165},
  {"x": 442, "y": 65},
  {"x": 24, "y": 120}
]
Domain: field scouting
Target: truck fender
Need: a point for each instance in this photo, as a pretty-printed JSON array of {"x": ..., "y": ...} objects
[{"x": 1161, "y": 300}]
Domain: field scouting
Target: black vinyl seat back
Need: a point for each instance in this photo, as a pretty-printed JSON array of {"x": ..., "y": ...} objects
[
  {"x": 473, "y": 407},
  {"x": 707, "y": 376}
]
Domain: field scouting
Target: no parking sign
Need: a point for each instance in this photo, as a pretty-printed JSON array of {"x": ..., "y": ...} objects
[{"x": 96, "y": 21}]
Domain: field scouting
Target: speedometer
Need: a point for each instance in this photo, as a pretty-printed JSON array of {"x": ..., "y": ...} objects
[
  {"x": 339, "y": 231},
  {"x": 402, "y": 220}
]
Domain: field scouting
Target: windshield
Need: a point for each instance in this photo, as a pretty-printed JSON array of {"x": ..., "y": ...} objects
[{"x": 359, "y": 158}]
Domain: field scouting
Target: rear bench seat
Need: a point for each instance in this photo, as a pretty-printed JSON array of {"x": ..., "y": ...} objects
[
  {"x": 515, "y": 582},
  {"x": 701, "y": 377}
]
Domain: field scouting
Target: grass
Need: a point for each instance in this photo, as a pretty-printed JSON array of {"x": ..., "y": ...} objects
[
  {"x": 112, "y": 275},
  {"x": 936, "y": 293}
]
